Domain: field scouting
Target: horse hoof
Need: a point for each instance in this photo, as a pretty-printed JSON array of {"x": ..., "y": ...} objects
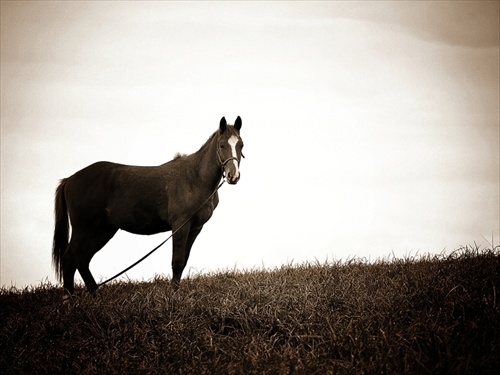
[{"x": 175, "y": 285}]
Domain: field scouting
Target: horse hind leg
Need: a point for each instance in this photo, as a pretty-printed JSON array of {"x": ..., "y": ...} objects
[
  {"x": 87, "y": 277},
  {"x": 85, "y": 245},
  {"x": 68, "y": 268},
  {"x": 96, "y": 243},
  {"x": 72, "y": 261}
]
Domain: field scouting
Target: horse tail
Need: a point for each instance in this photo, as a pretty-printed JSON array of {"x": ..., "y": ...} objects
[{"x": 61, "y": 229}]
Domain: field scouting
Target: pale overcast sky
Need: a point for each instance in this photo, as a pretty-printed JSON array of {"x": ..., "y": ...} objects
[{"x": 370, "y": 128}]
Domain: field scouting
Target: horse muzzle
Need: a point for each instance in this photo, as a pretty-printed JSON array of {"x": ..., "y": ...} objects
[
  {"x": 231, "y": 171},
  {"x": 232, "y": 178}
]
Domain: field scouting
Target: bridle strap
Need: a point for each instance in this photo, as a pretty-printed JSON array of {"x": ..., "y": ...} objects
[{"x": 223, "y": 163}]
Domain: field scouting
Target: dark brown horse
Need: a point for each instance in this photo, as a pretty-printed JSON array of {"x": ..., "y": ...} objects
[{"x": 105, "y": 197}]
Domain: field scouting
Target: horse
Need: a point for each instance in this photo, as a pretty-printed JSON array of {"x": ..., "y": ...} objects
[{"x": 178, "y": 196}]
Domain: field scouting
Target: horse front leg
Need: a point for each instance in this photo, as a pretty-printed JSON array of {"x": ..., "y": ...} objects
[
  {"x": 179, "y": 258},
  {"x": 181, "y": 261}
]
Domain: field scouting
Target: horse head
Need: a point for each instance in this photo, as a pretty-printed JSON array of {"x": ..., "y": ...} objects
[{"x": 229, "y": 148}]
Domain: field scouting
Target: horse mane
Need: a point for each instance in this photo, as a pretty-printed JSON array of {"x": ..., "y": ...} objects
[
  {"x": 210, "y": 139},
  {"x": 217, "y": 132},
  {"x": 179, "y": 155}
]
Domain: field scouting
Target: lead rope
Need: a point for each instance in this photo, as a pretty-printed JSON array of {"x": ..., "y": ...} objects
[{"x": 169, "y": 237}]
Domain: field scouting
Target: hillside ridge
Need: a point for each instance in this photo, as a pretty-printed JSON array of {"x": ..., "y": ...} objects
[{"x": 414, "y": 315}]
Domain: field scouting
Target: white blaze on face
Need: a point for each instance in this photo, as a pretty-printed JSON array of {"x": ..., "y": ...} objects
[{"x": 233, "y": 141}]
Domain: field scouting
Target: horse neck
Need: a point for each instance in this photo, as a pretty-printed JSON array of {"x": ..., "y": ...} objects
[{"x": 209, "y": 170}]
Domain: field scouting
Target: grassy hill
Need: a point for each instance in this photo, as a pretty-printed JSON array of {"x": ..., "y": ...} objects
[{"x": 422, "y": 316}]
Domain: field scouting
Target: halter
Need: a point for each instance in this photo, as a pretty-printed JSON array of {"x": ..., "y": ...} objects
[{"x": 223, "y": 163}]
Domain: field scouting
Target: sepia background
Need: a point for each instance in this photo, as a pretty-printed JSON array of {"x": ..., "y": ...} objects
[{"x": 371, "y": 129}]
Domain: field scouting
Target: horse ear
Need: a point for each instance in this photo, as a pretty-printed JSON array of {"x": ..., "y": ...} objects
[
  {"x": 237, "y": 124},
  {"x": 222, "y": 125}
]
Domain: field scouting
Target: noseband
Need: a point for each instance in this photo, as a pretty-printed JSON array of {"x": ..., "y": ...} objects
[{"x": 223, "y": 163}]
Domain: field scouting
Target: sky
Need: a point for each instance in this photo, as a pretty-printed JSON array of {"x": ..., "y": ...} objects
[{"x": 371, "y": 129}]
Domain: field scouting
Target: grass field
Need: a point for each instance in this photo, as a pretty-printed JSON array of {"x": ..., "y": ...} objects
[{"x": 430, "y": 315}]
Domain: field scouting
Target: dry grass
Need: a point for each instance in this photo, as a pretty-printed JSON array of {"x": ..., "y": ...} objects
[{"x": 430, "y": 315}]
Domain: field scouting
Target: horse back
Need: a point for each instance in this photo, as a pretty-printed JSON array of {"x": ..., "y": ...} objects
[{"x": 113, "y": 192}]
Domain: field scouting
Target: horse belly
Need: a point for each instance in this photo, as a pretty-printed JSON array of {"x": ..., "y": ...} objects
[
  {"x": 150, "y": 228},
  {"x": 138, "y": 221}
]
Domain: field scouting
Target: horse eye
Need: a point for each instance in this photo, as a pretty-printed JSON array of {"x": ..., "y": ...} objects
[{"x": 221, "y": 145}]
